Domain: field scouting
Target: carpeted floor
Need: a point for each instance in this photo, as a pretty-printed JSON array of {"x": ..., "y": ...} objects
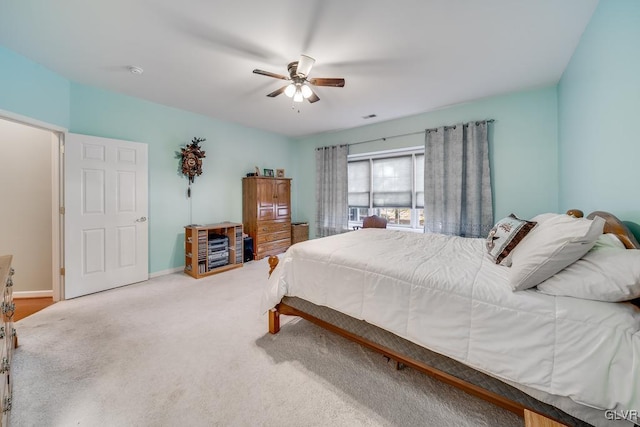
[{"x": 175, "y": 351}]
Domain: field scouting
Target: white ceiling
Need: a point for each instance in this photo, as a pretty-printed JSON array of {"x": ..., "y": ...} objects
[{"x": 398, "y": 57}]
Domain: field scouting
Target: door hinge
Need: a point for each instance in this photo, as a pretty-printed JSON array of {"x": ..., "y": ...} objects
[
  {"x": 61, "y": 148},
  {"x": 62, "y": 210},
  {"x": 62, "y": 271}
]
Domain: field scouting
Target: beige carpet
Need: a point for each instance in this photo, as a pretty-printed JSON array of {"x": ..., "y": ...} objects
[{"x": 175, "y": 351}]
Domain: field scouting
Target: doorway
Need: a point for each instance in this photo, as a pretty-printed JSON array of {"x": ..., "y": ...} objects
[{"x": 30, "y": 220}]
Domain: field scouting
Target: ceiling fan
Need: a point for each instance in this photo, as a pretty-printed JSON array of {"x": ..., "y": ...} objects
[{"x": 299, "y": 81}]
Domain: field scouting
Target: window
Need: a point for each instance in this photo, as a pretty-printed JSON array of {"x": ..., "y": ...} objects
[{"x": 388, "y": 184}]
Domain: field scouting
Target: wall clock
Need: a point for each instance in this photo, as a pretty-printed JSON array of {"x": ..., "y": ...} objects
[{"x": 192, "y": 156}]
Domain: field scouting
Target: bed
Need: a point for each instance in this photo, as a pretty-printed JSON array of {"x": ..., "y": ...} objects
[{"x": 445, "y": 306}]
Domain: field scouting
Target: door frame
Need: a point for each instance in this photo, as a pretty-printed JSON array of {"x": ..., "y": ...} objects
[{"x": 57, "y": 196}]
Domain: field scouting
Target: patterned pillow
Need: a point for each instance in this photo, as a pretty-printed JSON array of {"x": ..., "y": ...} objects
[{"x": 505, "y": 235}]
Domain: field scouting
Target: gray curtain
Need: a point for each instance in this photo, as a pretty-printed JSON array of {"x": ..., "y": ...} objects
[
  {"x": 457, "y": 182},
  {"x": 331, "y": 190}
]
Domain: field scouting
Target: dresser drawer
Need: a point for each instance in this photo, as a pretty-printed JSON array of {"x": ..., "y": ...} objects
[
  {"x": 272, "y": 226},
  {"x": 262, "y": 237},
  {"x": 272, "y": 248}
]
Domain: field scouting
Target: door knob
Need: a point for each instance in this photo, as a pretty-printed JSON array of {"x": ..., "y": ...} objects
[{"x": 142, "y": 219}]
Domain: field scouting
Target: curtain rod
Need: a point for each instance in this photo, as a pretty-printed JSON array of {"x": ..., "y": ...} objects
[
  {"x": 331, "y": 146},
  {"x": 384, "y": 138},
  {"x": 454, "y": 126},
  {"x": 415, "y": 133}
]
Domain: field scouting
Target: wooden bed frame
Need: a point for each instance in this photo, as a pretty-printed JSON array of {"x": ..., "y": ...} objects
[{"x": 531, "y": 416}]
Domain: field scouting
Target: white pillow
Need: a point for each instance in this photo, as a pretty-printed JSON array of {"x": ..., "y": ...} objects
[
  {"x": 606, "y": 273},
  {"x": 557, "y": 241},
  {"x": 544, "y": 217},
  {"x": 609, "y": 240}
]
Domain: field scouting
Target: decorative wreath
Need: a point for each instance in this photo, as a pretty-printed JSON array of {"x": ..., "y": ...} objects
[{"x": 192, "y": 157}]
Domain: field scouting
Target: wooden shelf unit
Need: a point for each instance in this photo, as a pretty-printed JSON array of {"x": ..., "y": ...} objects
[{"x": 201, "y": 248}]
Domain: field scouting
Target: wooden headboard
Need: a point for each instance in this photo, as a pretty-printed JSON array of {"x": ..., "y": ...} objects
[
  {"x": 615, "y": 226},
  {"x": 612, "y": 225}
]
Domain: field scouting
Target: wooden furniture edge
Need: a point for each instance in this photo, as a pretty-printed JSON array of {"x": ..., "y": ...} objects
[
  {"x": 533, "y": 419},
  {"x": 224, "y": 224},
  {"x": 265, "y": 177},
  {"x": 612, "y": 225},
  {"x": 486, "y": 395},
  {"x": 514, "y": 407},
  {"x": 273, "y": 263},
  {"x": 617, "y": 227}
]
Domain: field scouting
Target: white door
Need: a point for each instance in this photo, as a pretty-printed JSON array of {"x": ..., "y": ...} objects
[{"x": 106, "y": 228}]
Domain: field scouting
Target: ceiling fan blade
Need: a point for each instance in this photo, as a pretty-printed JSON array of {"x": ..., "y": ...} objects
[
  {"x": 327, "y": 82},
  {"x": 268, "y": 74},
  {"x": 313, "y": 98},
  {"x": 277, "y": 92}
]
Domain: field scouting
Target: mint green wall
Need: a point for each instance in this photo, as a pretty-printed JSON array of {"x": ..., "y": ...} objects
[
  {"x": 523, "y": 149},
  {"x": 551, "y": 149},
  {"x": 599, "y": 107},
  {"x": 29, "y": 89},
  {"x": 231, "y": 151}
]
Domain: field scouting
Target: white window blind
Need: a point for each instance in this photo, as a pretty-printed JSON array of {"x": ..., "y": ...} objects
[
  {"x": 419, "y": 174},
  {"x": 392, "y": 182},
  {"x": 359, "y": 184}
]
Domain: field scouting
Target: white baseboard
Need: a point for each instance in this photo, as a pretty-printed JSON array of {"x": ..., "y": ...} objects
[
  {"x": 49, "y": 294},
  {"x": 165, "y": 272},
  {"x": 33, "y": 294}
]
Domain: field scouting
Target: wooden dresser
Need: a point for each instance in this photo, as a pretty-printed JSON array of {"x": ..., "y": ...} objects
[
  {"x": 266, "y": 214},
  {"x": 8, "y": 337}
]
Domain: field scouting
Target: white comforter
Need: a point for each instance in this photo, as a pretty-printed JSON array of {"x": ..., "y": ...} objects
[{"x": 445, "y": 294}]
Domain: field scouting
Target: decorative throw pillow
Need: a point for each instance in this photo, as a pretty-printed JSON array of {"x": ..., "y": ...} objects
[
  {"x": 555, "y": 243},
  {"x": 606, "y": 273},
  {"x": 504, "y": 236}
]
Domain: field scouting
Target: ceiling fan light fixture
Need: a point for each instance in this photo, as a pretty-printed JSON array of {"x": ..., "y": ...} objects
[
  {"x": 298, "y": 84},
  {"x": 304, "y": 65},
  {"x": 306, "y": 91},
  {"x": 290, "y": 90}
]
